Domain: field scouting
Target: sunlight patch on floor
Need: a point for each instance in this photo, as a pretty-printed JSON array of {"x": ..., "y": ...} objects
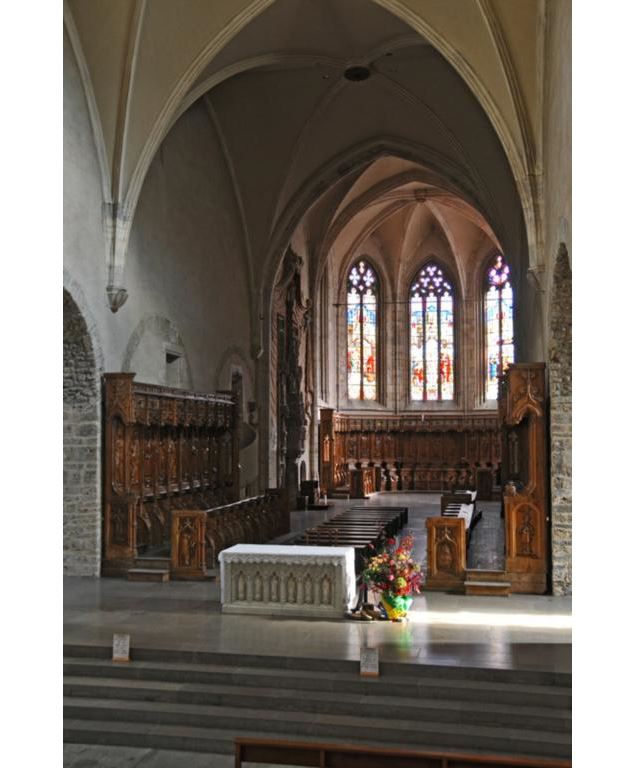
[{"x": 473, "y": 618}]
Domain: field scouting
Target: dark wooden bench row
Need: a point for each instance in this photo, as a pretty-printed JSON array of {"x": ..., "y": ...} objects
[
  {"x": 358, "y": 527},
  {"x": 276, "y": 752}
]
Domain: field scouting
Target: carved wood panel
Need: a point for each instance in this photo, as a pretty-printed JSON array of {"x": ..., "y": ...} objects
[
  {"x": 447, "y": 553},
  {"x": 160, "y": 453},
  {"x": 188, "y": 545},
  {"x": 440, "y": 453},
  {"x": 524, "y": 475}
]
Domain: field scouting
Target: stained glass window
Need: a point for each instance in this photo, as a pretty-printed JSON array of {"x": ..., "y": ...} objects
[
  {"x": 499, "y": 325},
  {"x": 431, "y": 336},
  {"x": 361, "y": 321}
]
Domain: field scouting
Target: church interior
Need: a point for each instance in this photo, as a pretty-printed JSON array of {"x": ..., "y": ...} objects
[{"x": 317, "y": 284}]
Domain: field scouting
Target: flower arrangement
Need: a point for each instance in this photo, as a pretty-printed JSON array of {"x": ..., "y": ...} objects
[{"x": 393, "y": 571}]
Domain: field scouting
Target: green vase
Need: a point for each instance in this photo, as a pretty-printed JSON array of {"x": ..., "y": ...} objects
[{"x": 396, "y": 606}]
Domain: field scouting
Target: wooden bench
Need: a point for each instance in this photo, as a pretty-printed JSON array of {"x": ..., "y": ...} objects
[
  {"x": 448, "y": 541},
  {"x": 359, "y": 527},
  {"x": 277, "y": 752},
  {"x": 461, "y": 504}
]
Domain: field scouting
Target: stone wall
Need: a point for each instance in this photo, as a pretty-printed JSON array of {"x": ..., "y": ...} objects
[
  {"x": 561, "y": 435},
  {"x": 82, "y": 477}
]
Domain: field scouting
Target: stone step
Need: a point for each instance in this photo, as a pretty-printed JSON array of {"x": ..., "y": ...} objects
[
  {"x": 270, "y": 664},
  {"x": 482, "y": 574},
  {"x": 334, "y": 683},
  {"x": 429, "y": 708},
  {"x": 148, "y": 574},
  {"x": 296, "y": 724},
  {"x": 186, "y": 739},
  {"x": 179, "y": 738},
  {"x": 146, "y": 561},
  {"x": 494, "y": 588}
]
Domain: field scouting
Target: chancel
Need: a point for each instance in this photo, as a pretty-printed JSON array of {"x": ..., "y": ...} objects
[{"x": 317, "y": 323}]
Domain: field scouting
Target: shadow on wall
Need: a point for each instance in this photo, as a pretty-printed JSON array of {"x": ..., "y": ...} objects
[{"x": 156, "y": 353}]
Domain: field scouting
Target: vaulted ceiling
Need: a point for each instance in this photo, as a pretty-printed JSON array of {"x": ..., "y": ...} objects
[{"x": 452, "y": 104}]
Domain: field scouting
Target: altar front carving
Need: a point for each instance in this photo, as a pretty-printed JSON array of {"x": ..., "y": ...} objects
[{"x": 291, "y": 580}]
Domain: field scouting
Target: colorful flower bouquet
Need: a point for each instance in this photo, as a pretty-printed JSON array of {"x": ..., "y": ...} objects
[{"x": 394, "y": 574}]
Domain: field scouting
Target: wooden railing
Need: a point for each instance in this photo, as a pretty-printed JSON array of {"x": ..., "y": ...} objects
[
  {"x": 339, "y": 756},
  {"x": 198, "y": 536}
]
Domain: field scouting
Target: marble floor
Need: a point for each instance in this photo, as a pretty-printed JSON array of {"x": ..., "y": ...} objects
[{"x": 517, "y": 632}]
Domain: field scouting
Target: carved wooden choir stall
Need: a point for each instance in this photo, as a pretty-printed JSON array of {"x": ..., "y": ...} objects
[
  {"x": 439, "y": 453},
  {"x": 524, "y": 474},
  {"x": 170, "y": 477},
  {"x": 522, "y": 409}
]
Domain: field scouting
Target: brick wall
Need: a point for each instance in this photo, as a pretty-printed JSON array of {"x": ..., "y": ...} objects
[{"x": 82, "y": 436}]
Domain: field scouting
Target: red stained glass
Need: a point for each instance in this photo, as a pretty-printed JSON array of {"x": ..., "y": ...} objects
[
  {"x": 431, "y": 336},
  {"x": 361, "y": 323}
]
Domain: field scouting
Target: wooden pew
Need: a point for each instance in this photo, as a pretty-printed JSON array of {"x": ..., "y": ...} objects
[
  {"x": 279, "y": 752},
  {"x": 357, "y": 527},
  {"x": 461, "y": 504}
]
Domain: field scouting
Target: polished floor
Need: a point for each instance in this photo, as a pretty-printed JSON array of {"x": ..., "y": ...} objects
[{"x": 517, "y": 632}]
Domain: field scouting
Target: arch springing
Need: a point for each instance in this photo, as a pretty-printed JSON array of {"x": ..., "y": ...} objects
[
  {"x": 431, "y": 335},
  {"x": 361, "y": 321},
  {"x": 499, "y": 324}
]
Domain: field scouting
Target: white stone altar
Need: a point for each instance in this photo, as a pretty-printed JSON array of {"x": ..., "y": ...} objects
[{"x": 293, "y": 580}]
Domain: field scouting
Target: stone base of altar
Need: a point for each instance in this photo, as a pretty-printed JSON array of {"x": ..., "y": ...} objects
[{"x": 288, "y": 580}]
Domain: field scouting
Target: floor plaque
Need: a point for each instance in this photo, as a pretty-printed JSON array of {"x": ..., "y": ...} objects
[
  {"x": 369, "y": 662},
  {"x": 121, "y": 648}
]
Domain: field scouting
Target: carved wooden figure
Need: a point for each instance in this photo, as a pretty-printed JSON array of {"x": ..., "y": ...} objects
[{"x": 447, "y": 553}]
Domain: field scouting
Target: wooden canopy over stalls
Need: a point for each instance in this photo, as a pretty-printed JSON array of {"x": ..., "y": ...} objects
[{"x": 164, "y": 449}]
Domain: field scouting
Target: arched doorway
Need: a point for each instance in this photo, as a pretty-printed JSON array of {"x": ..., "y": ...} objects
[
  {"x": 560, "y": 398},
  {"x": 82, "y": 454}
]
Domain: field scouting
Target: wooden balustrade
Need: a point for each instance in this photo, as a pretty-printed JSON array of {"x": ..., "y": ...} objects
[
  {"x": 164, "y": 450},
  {"x": 441, "y": 452},
  {"x": 199, "y": 536}
]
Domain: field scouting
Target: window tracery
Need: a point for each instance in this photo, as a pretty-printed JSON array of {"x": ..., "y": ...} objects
[
  {"x": 361, "y": 322},
  {"x": 499, "y": 324},
  {"x": 431, "y": 335}
]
